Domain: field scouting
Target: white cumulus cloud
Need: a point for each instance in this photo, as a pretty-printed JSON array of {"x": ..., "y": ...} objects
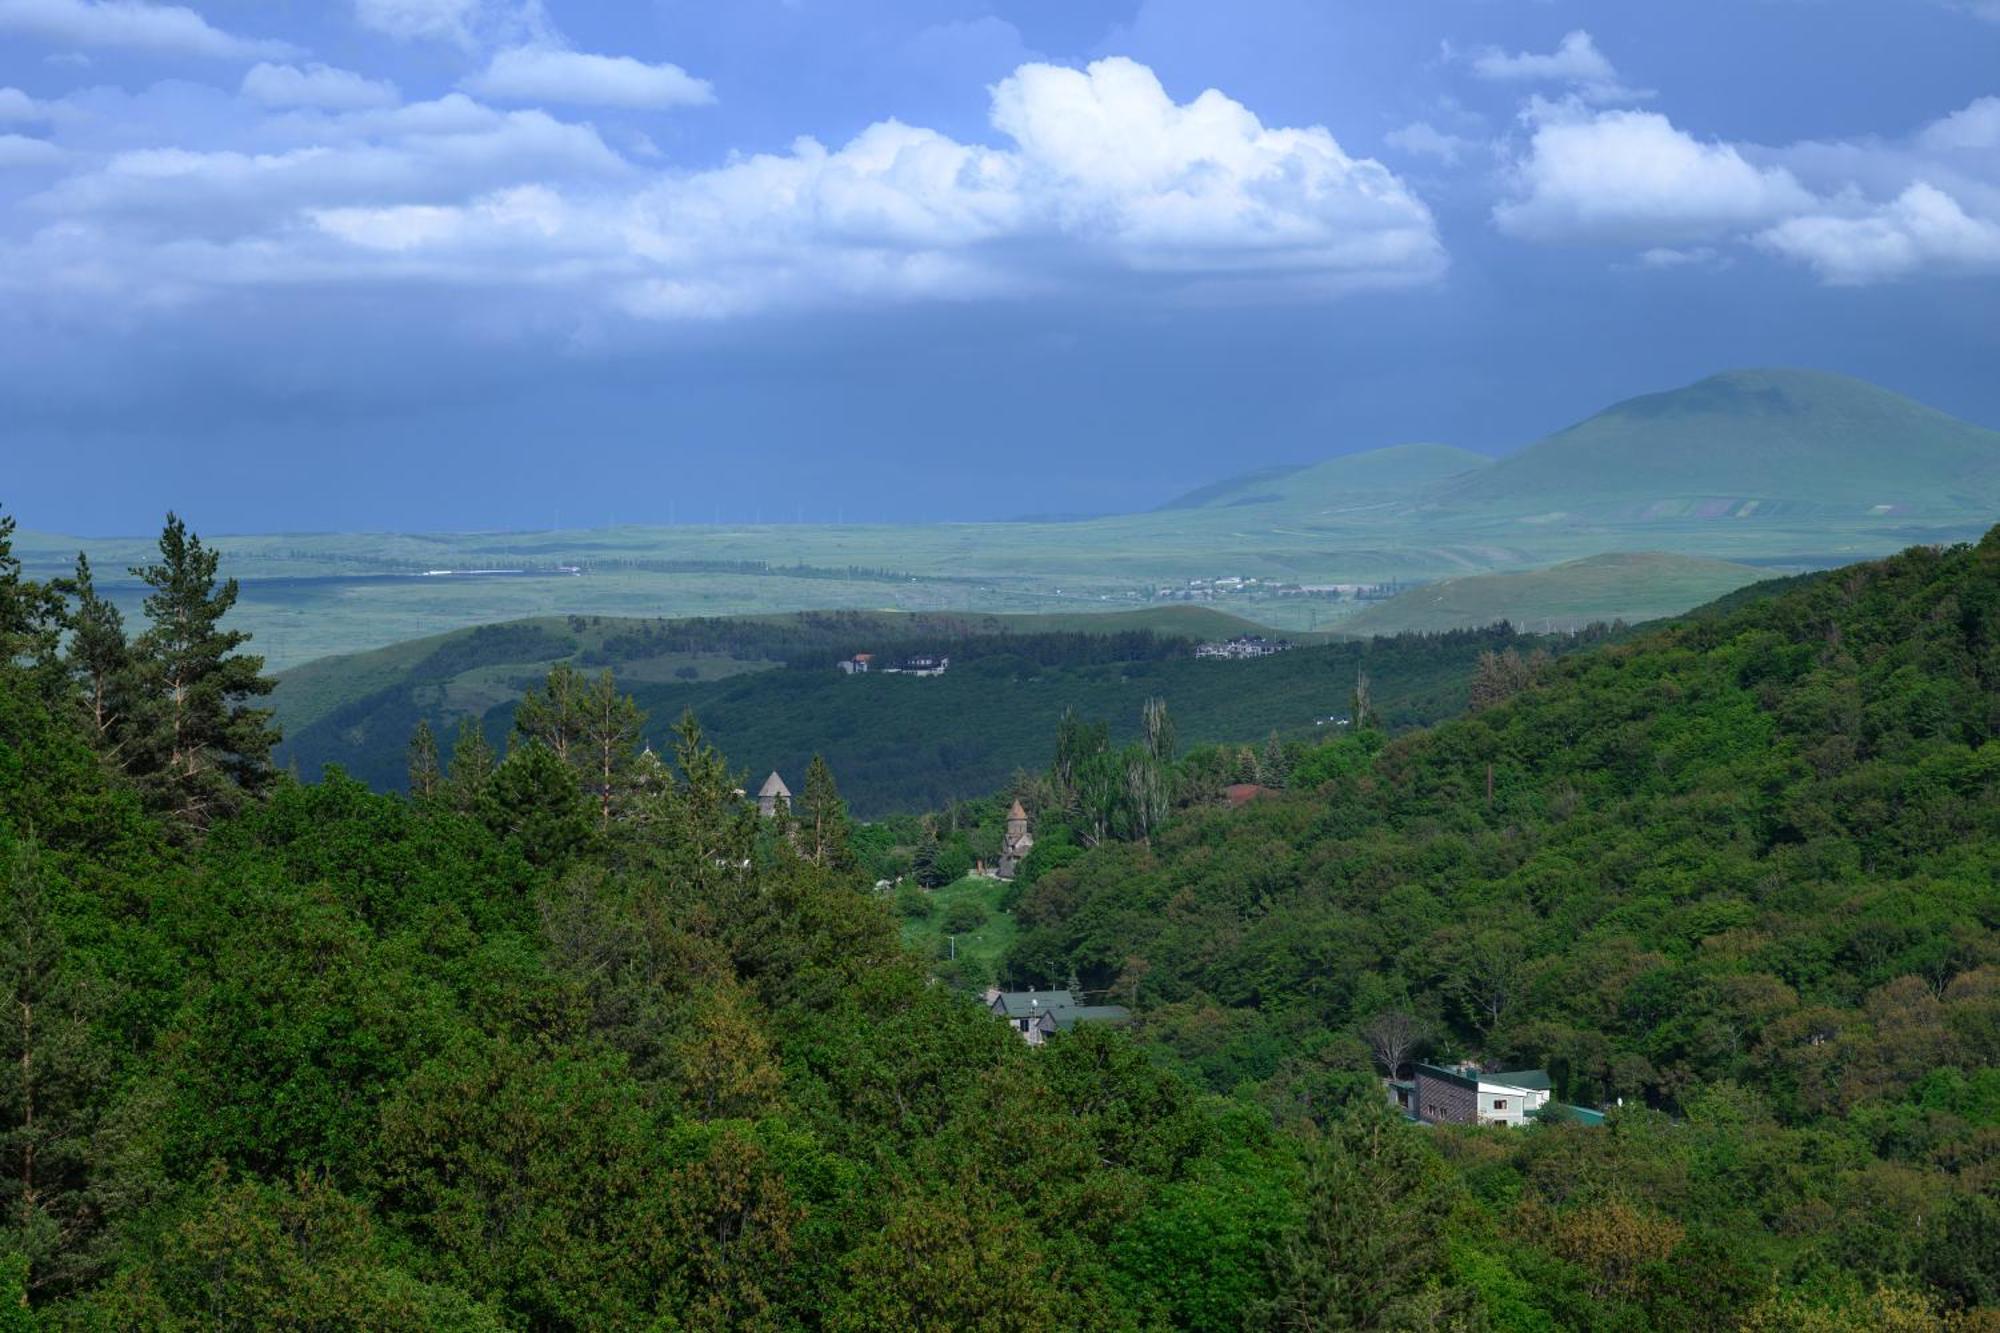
[
  {"x": 18, "y": 150},
  {"x": 1576, "y": 61},
  {"x": 1097, "y": 179},
  {"x": 320, "y": 86},
  {"x": 1422, "y": 139},
  {"x": 1971, "y": 128},
  {"x": 1853, "y": 211},
  {"x": 418, "y": 18},
  {"x": 550, "y": 74},
  {"x": 1923, "y": 228},
  {"x": 17, "y": 106},
  {"x": 170, "y": 29},
  {"x": 1633, "y": 177},
  {"x": 466, "y": 23}
]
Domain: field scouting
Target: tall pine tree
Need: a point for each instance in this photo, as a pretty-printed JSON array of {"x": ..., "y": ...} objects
[
  {"x": 471, "y": 765},
  {"x": 554, "y": 714},
  {"x": 425, "y": 777},
  {"x": 99, "y": 661},
  {"x": 30, "y": 614},
  {"x": 824, "y": 830},
  {"x": 611, "y": 726},
  {"x": 198, "y": 749}
]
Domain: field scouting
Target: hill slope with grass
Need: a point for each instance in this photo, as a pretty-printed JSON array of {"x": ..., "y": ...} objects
[
  {"x": 1600, "y": 589},
  {"x": 470, "y": 670},
  {"x": 1749, "y": 444},
  {"x": 1788, "y": 470}
]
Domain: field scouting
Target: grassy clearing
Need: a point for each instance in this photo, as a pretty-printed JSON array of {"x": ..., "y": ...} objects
[
  {"x": 979, "y": 950},
  {"x": 1601, "y": 589}
]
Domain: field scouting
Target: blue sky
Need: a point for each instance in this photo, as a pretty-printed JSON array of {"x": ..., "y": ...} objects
[{"x": 503, "y": 263}]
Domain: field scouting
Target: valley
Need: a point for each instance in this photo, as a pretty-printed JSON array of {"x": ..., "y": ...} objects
[
  {"x": 767, "y": 691},
  {"x": 1780, "y": 470}
]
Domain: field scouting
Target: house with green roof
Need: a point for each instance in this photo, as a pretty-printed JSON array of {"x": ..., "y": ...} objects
[
  {"x": 1463, "y": 1095},
  {"x": 1039, "y": 1015}
]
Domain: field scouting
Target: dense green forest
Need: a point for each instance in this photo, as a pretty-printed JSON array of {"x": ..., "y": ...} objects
[
  {"x": 1741, "y": 875},
  {"x": 901, "y": 743},
  {"x": 569, "y": 1038}
]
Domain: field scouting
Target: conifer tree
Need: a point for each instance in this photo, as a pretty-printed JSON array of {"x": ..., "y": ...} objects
[
  {"x": 197, "y": 747},
  {"x": 423, "y": 769},
  {"x": 1273, "y": 766},
  {"x": 30, "y": 613},
  {"x": 471, "y": 765},
  {"x": 609, "y": 729},
  {"x": 554, "y": 714},
  {"x": 99, "y": 659},
  {"x": 924, "y": 860},
  {"x": 534, "y": 800},
  {"x": 705, "y": 819},
  {"x": 824, "y": 830}
]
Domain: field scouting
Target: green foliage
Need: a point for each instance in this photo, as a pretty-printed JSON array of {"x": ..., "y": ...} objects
[
  {"x": 509, "y": 1057},
  {"x": 193, "y": 743},
  {"x": 1739, "y": 870},
  {"x": 964, "y": 916},
  {"x": 904, "y": 744}
]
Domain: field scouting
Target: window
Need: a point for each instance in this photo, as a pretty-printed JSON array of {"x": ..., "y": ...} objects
[{"x": 1499, "y": 1103}]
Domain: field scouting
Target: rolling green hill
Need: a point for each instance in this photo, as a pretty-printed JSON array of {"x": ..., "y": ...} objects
[
  {"x": 1749, "y": 445},
  {"x": 766, "y": 691},
  {"x": 1645, "y": 585},
  {"x": 473, "y": 669},
  {"x": 1786, "y": 470}
]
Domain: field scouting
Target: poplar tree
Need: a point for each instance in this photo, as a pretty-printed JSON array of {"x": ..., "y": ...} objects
[
  {"x": 198, "y": 749},
  {"x": 1361, "y": 705}
]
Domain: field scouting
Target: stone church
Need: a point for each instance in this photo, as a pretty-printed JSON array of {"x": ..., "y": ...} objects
[{"x": 1014, "y": 848}]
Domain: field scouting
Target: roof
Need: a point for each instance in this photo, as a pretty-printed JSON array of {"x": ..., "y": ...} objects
[
  {"x": 1531, "y": 1080},
  {"x": 1059, "y": 1005},
  {"x": 774, "y": 786},
  {"x": 1027, "y": 1003},
  {"x": 1581, "y": 1115},
  {"x": 1527, "y": 1080},
  {"x": 1446, "y": 1076}
]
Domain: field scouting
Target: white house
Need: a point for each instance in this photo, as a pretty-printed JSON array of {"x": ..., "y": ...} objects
[{"x": 1464, "y": 1096}]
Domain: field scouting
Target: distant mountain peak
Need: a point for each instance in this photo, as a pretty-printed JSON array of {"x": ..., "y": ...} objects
[{"x": 1749, "y": 444}]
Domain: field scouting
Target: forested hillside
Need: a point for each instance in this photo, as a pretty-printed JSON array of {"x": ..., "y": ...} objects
[
  {"x": 900, "y": 743},
  {"x": 1744, "y": 871},
  {"x": 572, "y": 1039}
]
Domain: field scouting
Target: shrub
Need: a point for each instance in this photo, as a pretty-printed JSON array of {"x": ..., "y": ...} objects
[{"x": 964, "y": 916}]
